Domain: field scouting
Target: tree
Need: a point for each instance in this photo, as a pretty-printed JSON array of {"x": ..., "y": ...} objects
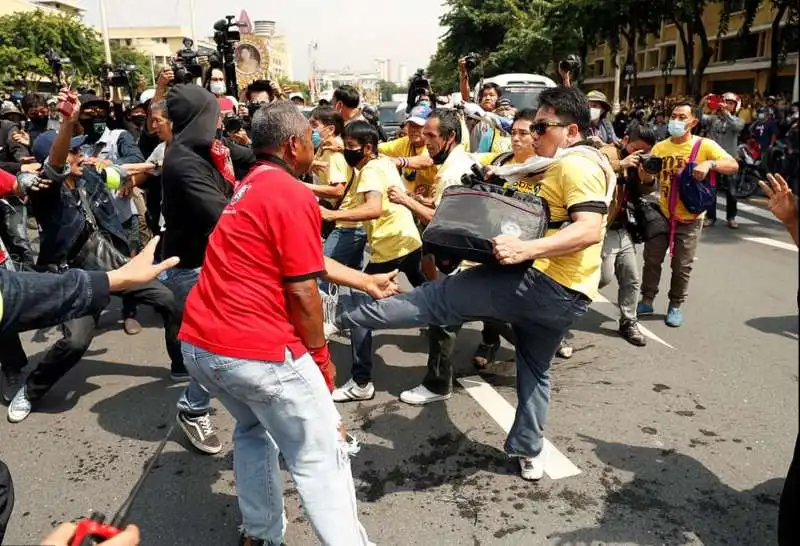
[
  {"x": 783, "y": 39},
  {"x": 390, "y": 88},
  {"x": 25, "y": 37},
  {"x": 294, "y": 86}
]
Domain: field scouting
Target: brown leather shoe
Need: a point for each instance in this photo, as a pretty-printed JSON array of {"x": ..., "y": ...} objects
[{"x": 132, "y": 326}]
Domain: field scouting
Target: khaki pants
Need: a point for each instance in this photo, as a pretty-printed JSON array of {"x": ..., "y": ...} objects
[{"x": 655, "y": 249}]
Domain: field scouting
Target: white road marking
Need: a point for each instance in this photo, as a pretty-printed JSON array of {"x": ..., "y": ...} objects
[
  {"x": 745, "y": 207},
  {"x": 771, "y": 242},
  {"x": 646, "y": 331},
  {"x": 557, "y": 465}
]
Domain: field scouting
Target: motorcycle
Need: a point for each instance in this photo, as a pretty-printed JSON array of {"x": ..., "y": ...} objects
[{"x": 745, "y": 181}]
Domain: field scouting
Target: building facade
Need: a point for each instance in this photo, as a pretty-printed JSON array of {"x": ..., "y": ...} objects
[
  {"x": 736, "y": 66},
  {"x": 66, "y": 7}
]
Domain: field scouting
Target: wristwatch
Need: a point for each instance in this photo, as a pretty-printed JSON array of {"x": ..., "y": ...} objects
[{"x": 713, "y": 164}]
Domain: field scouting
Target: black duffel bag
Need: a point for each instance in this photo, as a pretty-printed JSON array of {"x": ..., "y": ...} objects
[{"x": 469, "y": 217}]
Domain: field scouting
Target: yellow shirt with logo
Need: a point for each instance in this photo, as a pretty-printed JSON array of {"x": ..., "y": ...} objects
[
  {"x": 675, "y": 158},
  {"x": 394, "y": 234},
  {"x": 423, "y": 181},
  {"x": 572, "y": 181}
]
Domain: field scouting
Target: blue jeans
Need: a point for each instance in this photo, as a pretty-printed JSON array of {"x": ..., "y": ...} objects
[
  {"x": 195, "y": 399},
  {"x": 539, "y": 310},
  {"x": 283, "y": 408},
  {"x": 346, "y": 246}
]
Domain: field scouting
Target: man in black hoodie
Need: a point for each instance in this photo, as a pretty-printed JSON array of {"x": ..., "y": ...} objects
[{"x": 195, "y": 193}]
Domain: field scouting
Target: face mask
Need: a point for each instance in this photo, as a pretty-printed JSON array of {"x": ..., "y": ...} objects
[
  {"x": 253, "y": 107},
  {"x": 762, "y": 116},
  {"x": 39, "y": 122},
  {"x": 353, "y": 157},
  {"x": 218, "y": 88},
  {"x": 138, "y": 121},
  {"x": 441, "y": 157},
  {"x": 424, "y": 104},
  {"x": 595, "y": 113},
  {"x": 93, "y": 128},
  {"x": 316, "y": 138},
  {"x": 676, "y": 127}
]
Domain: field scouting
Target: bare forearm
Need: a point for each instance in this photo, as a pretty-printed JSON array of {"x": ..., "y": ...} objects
[
  {"x": 420, "y": 210},
  {"x": 346, "y": 276},
  {"x": 60, "y": 148},
  {"x": 305, "y": 312},
  {"x": 361, "y": 213},
  {"x": 727, "y": 165},
  {"x": 335, "y": 191},
  {"x": 573, "y": 238}
]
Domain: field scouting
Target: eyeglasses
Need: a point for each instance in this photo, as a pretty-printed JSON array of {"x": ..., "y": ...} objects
[{"x": 541, "y": 127}]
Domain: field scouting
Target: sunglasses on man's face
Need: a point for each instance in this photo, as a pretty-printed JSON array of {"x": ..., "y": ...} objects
[{"x": 541, "y": 127}]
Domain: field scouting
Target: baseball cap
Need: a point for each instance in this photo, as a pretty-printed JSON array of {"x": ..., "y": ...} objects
[
  {"x": 296, "y": 96},
  {"x": 730, "y": 96},
  {"x": 418, "y": 115},
  {"x": 43, "y": 143}
]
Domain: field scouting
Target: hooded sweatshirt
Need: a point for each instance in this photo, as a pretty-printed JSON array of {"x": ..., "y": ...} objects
[{"x": 195, "y": 191}]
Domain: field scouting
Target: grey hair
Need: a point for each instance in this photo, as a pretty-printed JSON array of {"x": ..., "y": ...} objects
[
  {"x": 160, "y": 105},
  {"x": 274, "y": 124}
]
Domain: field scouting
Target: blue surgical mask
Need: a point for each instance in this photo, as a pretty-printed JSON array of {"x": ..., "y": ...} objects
[
  {"x": 424, "y": 103},
  {"x": 676, "y": 127},
  {"x": 316, "y": 138}
]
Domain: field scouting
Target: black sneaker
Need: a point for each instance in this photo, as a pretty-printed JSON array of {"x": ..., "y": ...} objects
[
  {"x": 10, "y": 384},
  {"x": 178, "y": 373},
  {"x": 200, "y": 432},
  {"x": 484, "y": 355},
  {"x": 629, "y": 330}
]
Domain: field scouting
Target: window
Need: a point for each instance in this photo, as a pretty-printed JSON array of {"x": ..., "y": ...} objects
[
  {"x": 670, "y": 52},
  {"x": 128, "y": 42},
  {"x": 599, "y": 68},
  {"x": 640, "y": 61},
  {"x": 731, "y": 49}
]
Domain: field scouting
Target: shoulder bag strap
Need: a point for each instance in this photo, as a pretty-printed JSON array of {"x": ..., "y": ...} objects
[{"x": 346, "y": 189}]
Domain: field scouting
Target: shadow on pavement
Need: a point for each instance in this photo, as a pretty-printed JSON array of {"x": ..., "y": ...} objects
[
  {"x": 674, "y": 499},
  {"x": 786, "y": 326}
]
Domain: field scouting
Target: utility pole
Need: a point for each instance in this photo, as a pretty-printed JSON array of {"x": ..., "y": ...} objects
[
  {"x": 193, "y": 28},
  {"x": 104, "y": 24}
]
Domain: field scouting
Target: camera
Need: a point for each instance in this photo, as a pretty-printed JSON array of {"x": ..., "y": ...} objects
[
  {"x": 56, "y": 63},
  {"x": 185, "y": 65},
  {"x": 472, "y": 60},
  {"x": 232, "y": 124},
  {"x": 118, "y": 76},
  {"x": 651, "y": 164},
  {"x": 226, "y": 35},
  {"x": 571, "y": 64},
  {"x": 226, "y": 31},
  {"x": 418, "y": 85}
]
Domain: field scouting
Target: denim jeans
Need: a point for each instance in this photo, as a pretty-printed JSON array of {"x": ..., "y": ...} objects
[
  {"x": 195, "y": 399},
  {"x": 283, "y": 408},
  {"x": 346, "y": 246},
  {"x": 360, "y": 338},
  {"x": 539, "y": 310}
]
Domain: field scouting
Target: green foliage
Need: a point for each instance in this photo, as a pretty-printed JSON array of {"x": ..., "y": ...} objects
[
  {"x": 390, "y": 88},
  {"x": 295, "y": 87},
  {"x": 31, "y": 34}
]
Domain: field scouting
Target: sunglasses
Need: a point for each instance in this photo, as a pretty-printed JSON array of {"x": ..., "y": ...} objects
[{"x": 541, "y": 127}]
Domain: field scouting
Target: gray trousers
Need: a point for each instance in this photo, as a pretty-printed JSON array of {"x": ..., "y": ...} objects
[
  {"x": 686, "y": 236},
  {"x": 619, "y": 260}
]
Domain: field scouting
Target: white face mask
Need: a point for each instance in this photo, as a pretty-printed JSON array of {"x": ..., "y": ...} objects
[
  {"x": 595, "y": 113},
  {"x": 218, "y": 88}
]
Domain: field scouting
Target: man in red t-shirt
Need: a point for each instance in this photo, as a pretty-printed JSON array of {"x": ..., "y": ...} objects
[{"x": 253, "y": 336}]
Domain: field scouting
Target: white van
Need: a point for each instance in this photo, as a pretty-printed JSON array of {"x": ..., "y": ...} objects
[{"x": 521, "y": 89}]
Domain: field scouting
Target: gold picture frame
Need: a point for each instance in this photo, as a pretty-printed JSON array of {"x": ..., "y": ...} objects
[{"x": 251, "y": 56}]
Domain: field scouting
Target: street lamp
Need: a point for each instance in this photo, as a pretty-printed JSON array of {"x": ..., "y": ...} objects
[{"x": 666, "y": 69}]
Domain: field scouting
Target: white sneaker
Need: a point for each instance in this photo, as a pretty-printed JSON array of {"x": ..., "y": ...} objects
[
  {"x": 351, "y": 391},
  {"x": 20, "y": 406},
  {"x": 419, "y": 396},
  {"x": 532, "y": 468},
  {"x": 352, "y": 445},
  {"x": 330, "y": 300}
]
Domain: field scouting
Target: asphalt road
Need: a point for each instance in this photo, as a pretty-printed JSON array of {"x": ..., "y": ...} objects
[{"x": 685, "y": 441}]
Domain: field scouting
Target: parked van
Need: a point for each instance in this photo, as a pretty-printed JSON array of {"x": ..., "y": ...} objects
[{"x": 521, "y": 89}]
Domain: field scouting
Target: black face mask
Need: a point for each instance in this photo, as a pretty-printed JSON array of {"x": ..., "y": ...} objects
[
  {"x": 353, "y": 157},
  {"x": 39, "y": 123},
  {"x": 253, "y": 107},
  {"x": 441, "y": 157},
  {"x": 138, "y": 121}
]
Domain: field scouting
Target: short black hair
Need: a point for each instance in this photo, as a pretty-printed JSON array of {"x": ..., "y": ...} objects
[
  {"x": 569, "y": 105},
  {"x": 348, "y": 95},
  {"x": 327, "y": 115},
  {"x": 487, "y": 86},
  {"x": 684, "y": 102},
  {"x": 32, "y": 100},
  {"x": 258, "y": 86},
  {"x": 528, "y": 114},
  {"x": 643, "y": 133},
  {"x": 449, "y": 123},
  {"x": 364, "y": 133}
]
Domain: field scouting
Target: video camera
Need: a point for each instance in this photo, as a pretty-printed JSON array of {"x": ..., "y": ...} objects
[
  {"x": 56, "y": 64},
  {"x": 226, "y": 35},
  {"x": 185, "y": 65},
  {"x": 651, "y": 164},
  {"x": 471, "y": 61},
  {"x": 571, "y": 64},
  {"x": 418, "y": 85}
]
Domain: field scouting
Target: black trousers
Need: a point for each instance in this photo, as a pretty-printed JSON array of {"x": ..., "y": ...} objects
[
  {"x": 789, "y": 511},
  {"x": 6, "y": 498},
  {"x": 77, "y": 335},
  {"x": 731, "y": 204}
]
